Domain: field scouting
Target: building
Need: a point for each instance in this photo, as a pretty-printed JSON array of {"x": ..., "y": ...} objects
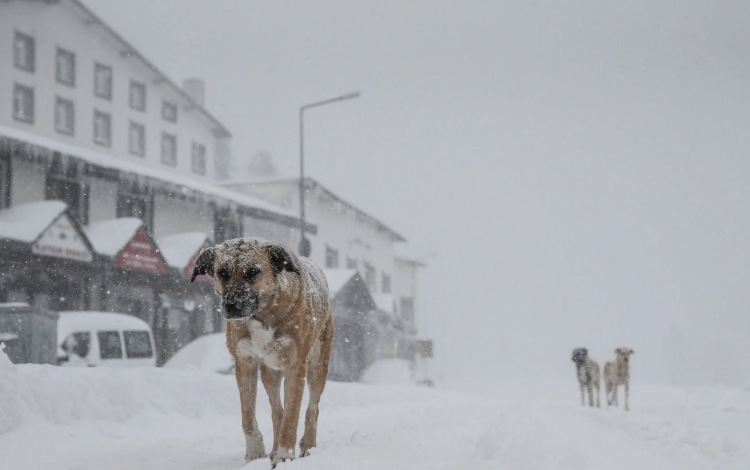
[
  {"x": 347, "y": 237},
  {"x": 110, "y": 167}
]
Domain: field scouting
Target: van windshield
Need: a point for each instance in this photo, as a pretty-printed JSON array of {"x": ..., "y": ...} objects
[
  {"x": 138, "y": 344},
  {"x": 78, "y": 344}
]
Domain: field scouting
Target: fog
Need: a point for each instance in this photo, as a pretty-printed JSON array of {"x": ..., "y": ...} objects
[{"x": 573, "y": 173}]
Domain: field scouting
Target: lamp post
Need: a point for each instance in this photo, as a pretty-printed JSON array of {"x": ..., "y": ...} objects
[{"x": 304, "y": 245}]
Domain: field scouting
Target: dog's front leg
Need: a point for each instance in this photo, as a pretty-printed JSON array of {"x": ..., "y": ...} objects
[
  {"x": 582, "y": 395},
  {"x": 294, "y": 386},
  {"x": 627, "y": 392},
  {"x": 272, "y": 382},
  {"x": 247, "y": 382}
]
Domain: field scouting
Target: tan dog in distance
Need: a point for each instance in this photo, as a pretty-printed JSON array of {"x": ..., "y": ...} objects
[
  {"x": 618, "y": 373},
  {"x": 278, "y": 320}
]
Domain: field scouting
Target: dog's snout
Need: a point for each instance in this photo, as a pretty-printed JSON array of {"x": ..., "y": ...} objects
[
  {"x": 232, "y": 307},
  {"x": 239, "y": 305}
]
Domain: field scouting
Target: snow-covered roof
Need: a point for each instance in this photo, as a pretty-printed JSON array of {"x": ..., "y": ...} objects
[
  {"x": 384, "y": 302},
  {"x": 109, "y": 237},
  {"x": 179, "y": 249},
  {"x": 312, "y": 184},
  {"x": 25, "y": 222},
  {"x": 337, "y": 278},
  {"x": 184, "y": 182},
  {"x": 68, "y": 322},
  {"x": 409, "y": 262}
]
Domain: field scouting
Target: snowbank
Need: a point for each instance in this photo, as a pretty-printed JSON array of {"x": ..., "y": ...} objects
[
  {"x": 61, "y": 395},
  {"x": 172, "y": 419},
  {"x": 392, "y": 371},
  {"x": 208, "y": 353}
]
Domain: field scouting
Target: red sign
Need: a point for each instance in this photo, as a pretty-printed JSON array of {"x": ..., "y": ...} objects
[
  {"x": 188, "y": 272},
  {"x": 425, "y": 347},
  {"x": 140, "y": 254}
]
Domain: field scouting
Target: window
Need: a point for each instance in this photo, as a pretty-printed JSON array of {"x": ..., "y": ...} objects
[
  {"x": 78, "y": 344},
  {"x": 135, "y": 201},
  {"x": 5, "y": 180},
  {"x": 386, "y": 284},
  {"x": 168, "y": 149},
  {"x": 64, "y": 184},
  {"x": 103, "y": 81},
  {"x": 199, "y": 158},
  {"x": 370, "y": 277},
  {"x": 407, "y": 311},
  {"x": 23, "y": 103},
  {"x": 109, "y": 345},
  {"x": 137, "y": 139},
  {"x": 137, "y": 96},
  {"x": 102, "y": 128},
  {"x": 138, "y": 344},
  {"x": 64, "y": 116},
  {"x": 65, "y": 67},
  {"x": 169, "y": 111},
  {"x": 23, "y": 52},
  {"x": 332, "y": 258},
  {"x": 351, "y": 263}
]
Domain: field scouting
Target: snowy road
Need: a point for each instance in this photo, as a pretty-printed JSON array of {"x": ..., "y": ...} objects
[{"x": 55, "y": 418}]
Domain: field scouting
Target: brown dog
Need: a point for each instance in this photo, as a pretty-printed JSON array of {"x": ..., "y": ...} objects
[
  {"x": 618, "y": 373},
  {"x": 279, "y": 320}
]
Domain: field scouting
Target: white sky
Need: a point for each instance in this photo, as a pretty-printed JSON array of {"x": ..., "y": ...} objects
[{"x": 580, "y": 167}]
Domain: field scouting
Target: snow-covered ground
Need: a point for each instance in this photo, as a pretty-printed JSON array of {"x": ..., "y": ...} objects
[{"x": 97, "y": 418}]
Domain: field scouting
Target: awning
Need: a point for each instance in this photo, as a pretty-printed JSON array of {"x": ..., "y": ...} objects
[
  {"x": 125, "y": 239},
  {"x": 180, "y": 251},
  {"x": 48, "y": 229}
]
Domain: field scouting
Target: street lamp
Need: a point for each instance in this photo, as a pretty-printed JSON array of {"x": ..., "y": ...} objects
[{"x": 304, "y": 245}]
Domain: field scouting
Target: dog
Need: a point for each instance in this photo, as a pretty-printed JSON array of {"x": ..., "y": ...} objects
[
  {"x": 588, "y": 375},
  {"x": 618, "y": 373},
  {"x": 279, "y": 321}
]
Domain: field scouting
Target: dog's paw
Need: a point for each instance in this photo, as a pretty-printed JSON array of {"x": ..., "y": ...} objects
[
  {"x": 254, "y": 447},
  {"x": 281, "y": 455},
  {"x": 304, "y": 448}
]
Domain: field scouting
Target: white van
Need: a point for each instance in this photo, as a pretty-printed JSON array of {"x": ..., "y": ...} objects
[{"x": 88, "y": 339}]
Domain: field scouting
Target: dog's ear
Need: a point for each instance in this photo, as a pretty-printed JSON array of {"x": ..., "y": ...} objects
[
  {"x": 281, "y": 260},
  {"x": 205, "y": 263},
  {"x": 632, "y": 352}
]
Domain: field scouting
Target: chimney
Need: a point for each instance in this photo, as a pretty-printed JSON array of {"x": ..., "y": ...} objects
[{"x": 196, "y": 89}]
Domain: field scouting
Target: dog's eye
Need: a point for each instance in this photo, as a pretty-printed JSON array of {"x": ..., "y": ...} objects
[
  {"x": 223, "y": 273},
  {"x": 250, "y": 273}
]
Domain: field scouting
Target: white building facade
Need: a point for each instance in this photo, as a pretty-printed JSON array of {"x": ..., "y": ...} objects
[
  {"x": 346, "y": 238},
  {"x": 87, "y": 120}
]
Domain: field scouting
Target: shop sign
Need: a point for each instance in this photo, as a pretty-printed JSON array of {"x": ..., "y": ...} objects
[
  {"x": 140, "y": 254},
  {"x": 62, "y": 240},
  {"x": 188, "y": 272}
]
